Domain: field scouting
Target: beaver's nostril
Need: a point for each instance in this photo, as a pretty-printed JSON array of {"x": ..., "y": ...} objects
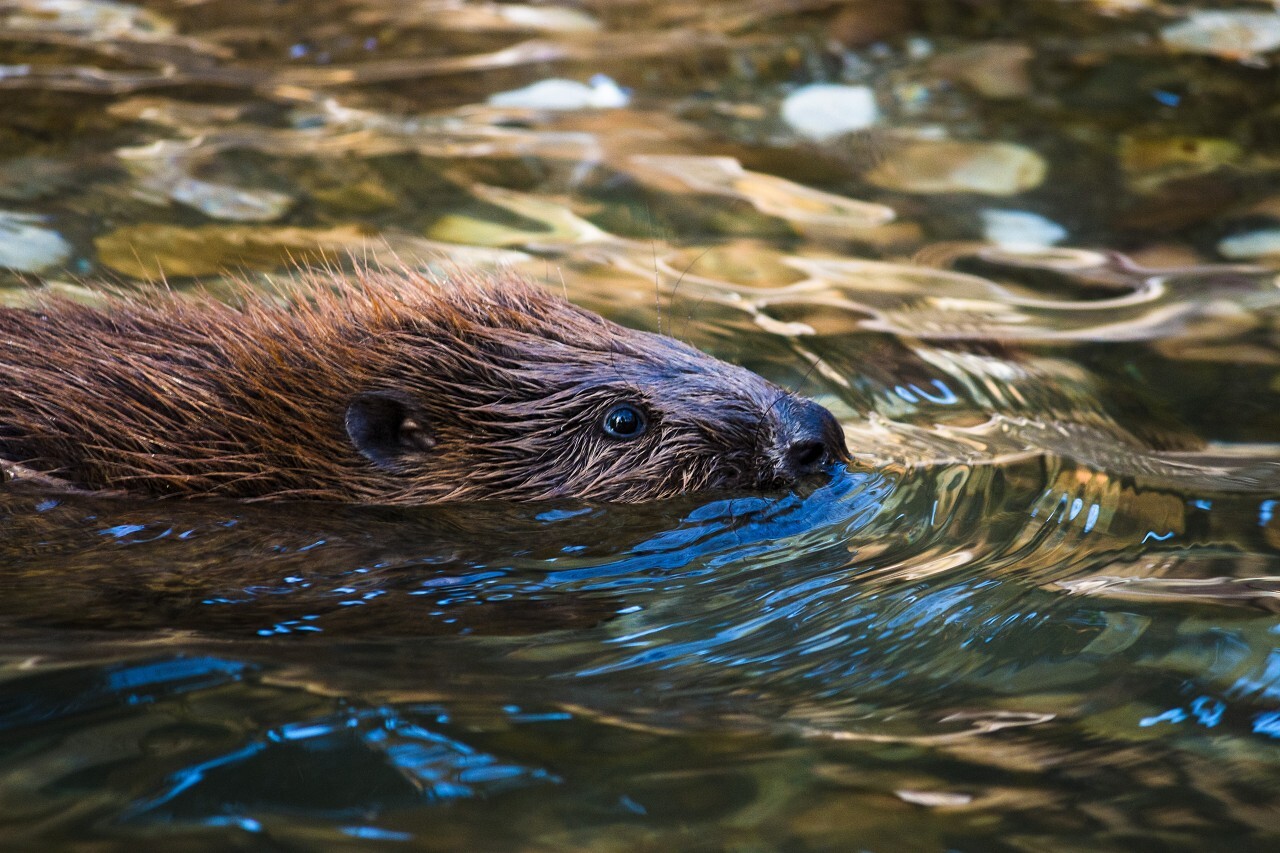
[{"x": 809, "y": 438}]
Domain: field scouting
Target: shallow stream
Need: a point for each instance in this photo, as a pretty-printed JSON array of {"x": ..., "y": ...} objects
[{"x": 1027, "y": 251}]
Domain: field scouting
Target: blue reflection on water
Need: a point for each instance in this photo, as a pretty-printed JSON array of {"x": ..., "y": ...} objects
[
  {"x": 55, "y": 695},
  {"x": 1173, "y": 715},
  {"x": 355, "y": 764},
  {"x": 192, "y": 673},
  {"x": 1208, "y": 710},
  {"x": 374, "y": 833},
  {"x": 1268, "y": 724},
  {"x": 122, "y": 530},
  {"x": 125, "y": 533},
  {"x": 735, "y": 530}
]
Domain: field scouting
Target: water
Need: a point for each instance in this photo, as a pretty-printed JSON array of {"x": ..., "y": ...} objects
[{"x": 1027, "y": 253}]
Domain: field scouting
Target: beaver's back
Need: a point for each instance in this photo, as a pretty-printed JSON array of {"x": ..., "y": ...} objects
[{"x": 160, "y": 396}]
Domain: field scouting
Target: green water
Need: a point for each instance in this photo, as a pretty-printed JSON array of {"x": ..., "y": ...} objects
[{"x": 1028, "y": 252}]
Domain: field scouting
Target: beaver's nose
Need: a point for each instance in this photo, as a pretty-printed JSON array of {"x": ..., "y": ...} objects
[{"x": 808, "y": 438}]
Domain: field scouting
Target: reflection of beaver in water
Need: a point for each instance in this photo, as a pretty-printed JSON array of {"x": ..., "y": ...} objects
[{"x": 394, "y": 390}]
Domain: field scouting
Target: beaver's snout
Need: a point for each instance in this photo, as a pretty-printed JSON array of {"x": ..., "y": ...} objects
[{"x": 807, "y": 439}]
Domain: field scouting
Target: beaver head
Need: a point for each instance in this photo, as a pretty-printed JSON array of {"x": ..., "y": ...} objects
[{"x": 393, "y": 389}]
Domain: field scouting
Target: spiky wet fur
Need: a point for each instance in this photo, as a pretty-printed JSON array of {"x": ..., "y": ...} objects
[{"x": 172, "y": 396}]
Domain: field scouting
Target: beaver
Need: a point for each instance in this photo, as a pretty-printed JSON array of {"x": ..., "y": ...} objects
[{"x": 389, "y": 387}]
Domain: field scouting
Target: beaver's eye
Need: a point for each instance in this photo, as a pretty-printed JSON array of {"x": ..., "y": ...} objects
[{"x": 624, "y": 421}]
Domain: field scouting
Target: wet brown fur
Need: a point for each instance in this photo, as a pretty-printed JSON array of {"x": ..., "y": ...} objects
[{"x": 172, "y": 396}]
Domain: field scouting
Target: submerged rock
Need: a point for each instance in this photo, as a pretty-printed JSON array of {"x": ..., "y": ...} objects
[
  {"x": 996, "y": 70},
  {"x": 154, "y": 251},
  {"x": 1016, "y": 229},
  {"x": 950, "y": 166},
  {"x": 1264, "y": 243},
  {"x": 221, "y": 201},
  {"x": 824, "y": 111},
  {"x": 1149, "y": 162},
  {"x": 162, "y": 171},
  {"x": 1233, "y": 34},
  {"x": 100, "y": 18},
  {"x": 27, "y": 246},
  {"x": 557, "y": 94},
  {"x": 802, "y": 206}
]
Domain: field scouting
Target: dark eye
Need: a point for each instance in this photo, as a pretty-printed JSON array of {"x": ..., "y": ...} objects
[{"x": 624, "y": 421}]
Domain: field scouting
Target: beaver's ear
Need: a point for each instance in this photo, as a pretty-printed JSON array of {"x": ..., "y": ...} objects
[{"x": 388, "y": 428}]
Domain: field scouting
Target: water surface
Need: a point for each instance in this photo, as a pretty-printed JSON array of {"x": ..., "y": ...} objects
[{"x": 1028, "y": 253}]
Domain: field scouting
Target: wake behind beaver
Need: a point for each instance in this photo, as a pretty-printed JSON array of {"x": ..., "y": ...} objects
[{"x": 393, "y": 388}]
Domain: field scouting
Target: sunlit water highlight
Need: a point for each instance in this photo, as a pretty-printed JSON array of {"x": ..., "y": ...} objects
[{"x": 1027, "y": 253}]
